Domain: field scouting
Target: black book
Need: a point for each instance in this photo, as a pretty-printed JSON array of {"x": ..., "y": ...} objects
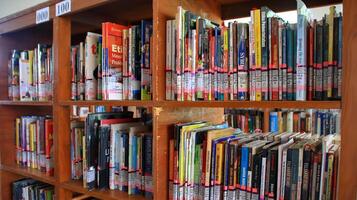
[
  {"x": 103, "y": 157},
  {"x": 306, "y": 173},
  {"x": 17, "y": 187},
  {"x": 288, "y": 174},
  {"x": 257, "y": 165},
  {"x": 147, "y": 165},
  {"x": 273, "y": 174},
  {"x": 325, "y": 66}
]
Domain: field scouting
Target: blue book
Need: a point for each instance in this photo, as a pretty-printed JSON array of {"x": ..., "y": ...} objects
[{"x": 274, "y": 122}]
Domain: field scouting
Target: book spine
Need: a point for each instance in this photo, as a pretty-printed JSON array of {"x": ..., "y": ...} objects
[
  {"x": 179, "y": 51},
  {"x": 289, "y": 174},
  {"x": 273, "y": 174},
  {"x": 274, "y": 60},
  {"x": 258, "y": 59},
  {"x": 306, "y": 174},
  {"x": 265, "y": 53},
  {"x": 330, "y": 22},
  {"x": 242, "y": 62},
  {"x": 146, "y": 32},
  {"x": 244, "y": 172},
  {"x": 252, "y": 61},
  {"x": 301, "y": 58},
  {"x": 90, "y": 65}
]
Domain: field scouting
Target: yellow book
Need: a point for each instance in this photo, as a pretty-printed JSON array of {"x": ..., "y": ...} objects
[
  {"x": 219, "y": 162},
  {"x": 17, "y": 141},
  {"x": 258, "y": 55},
  {"x": 30, "y": 67},
  {"x": 32, "y": 138},
  {"x": 330, "y": 19},
  {"x": 183, "y": 151},
  {"x": 211, "y": 135}
]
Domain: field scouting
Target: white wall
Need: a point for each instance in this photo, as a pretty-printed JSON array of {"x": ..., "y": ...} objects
[
  {"x": 8, "y": 7},
  {"x": 291, "y": 16}
]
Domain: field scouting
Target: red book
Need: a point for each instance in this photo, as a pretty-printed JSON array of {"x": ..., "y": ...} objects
[
  {"x": 113, "y": 59},
  {"x": 274, "y": 61},
  {"x": 49, "y": 146}
]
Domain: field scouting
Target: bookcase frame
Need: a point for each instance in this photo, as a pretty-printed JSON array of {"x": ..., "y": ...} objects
[{"x": 20, "y": 31}]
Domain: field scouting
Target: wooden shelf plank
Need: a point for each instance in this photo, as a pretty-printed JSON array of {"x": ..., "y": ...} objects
[
  {"x": 107, "y": 103},
  {"x": 76, "y": 186},
  {"x": 25, "y": 103},
  {"x": 255, "y": 104},
  {"x": 31, "y": 173}
]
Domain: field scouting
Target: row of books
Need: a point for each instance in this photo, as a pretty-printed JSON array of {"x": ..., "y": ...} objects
[
  {"x": 218, "y": 162},
  {"x": 32, "y": 190},
  {"x": 267, "y": 59},
  {"x": 30, "y": 74},
  {"x": 319, "y": 122},
  {"x": 34, "y": 143},
  {"x": 247, "y": 120},
  {"x": 115, "y": 65},
  {"x": 113, "y": 150}
]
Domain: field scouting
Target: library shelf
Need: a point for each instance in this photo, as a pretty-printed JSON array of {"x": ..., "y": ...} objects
[
  {"x": 257, "y": 104},
  {"x": 77, "y": 186},
  {"x": 25, "y": 103},
  {"x": 31, "y": 173},
  {"x": 107, "y": 103}
]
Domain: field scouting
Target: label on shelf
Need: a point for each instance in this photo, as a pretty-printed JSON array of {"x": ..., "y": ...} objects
[
  {"x": 63, "y": 7},
  {"x": 42, "y": 15}
]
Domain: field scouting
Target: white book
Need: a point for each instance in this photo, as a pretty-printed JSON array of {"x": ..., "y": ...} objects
[
  {"x": 24, "y": 71},
  {"x": 91, "y": 60},
  {"x": 300, "y": 168},
  {"x": 301, "y": 45},
  {"x": 281, "y": 148}
]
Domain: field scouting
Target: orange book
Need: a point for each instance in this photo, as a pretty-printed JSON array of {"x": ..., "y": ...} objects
[{"x": 113, "y": 60}]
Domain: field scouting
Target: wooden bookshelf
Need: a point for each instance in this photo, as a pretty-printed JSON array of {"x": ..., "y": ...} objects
[
  {"x": 107, "y": 103},
  {"x": 32, "y": 173},
  {"x": 77, "y": 186},
  {"x": 256, "y": 104},
  {"x": 24, "y": 103},
  {"x": 19, "y": 31}
]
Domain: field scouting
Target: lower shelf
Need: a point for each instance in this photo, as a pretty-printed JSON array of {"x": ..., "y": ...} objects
[
  {"x": 30, "y": 173},
  {"x": 76, "y": 186}
]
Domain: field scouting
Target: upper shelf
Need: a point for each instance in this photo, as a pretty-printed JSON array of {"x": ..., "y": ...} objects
[
  {"x": 25, "y": 103},
  {"x": 257, "y": 104},
  {"x": 216, "y": 104}
]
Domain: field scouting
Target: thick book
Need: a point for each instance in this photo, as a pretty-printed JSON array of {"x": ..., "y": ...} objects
[{"x": 113, "y": 61}]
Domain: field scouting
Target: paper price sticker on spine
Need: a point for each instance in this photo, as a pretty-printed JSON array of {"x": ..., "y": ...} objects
[{"x": 42, "y": 15}]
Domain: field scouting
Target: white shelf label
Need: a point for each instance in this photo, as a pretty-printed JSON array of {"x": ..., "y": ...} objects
[
  {"x": 42, "y": 15},
  {"x": 63, "y": 7}
]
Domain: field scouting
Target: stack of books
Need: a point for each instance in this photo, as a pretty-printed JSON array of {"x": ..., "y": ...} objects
[
  {"x": 247, "y": 120},
  {"x": 115, "y": 65},
  {"x": 208, "y": 161},
  {"x": 319, "y": 122},
  {"x": 266, "y": 60},
  {"x": 34, "y": 143},
  {"x": 32, "y": 189},
  {"x": 30, "y": 74},
  {"x": 113, "y": 150}
]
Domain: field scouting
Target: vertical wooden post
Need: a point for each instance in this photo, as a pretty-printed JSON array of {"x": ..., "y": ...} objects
[
  {"x": 61, "y": 114},
  {"x": 348, "y": 177}
]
